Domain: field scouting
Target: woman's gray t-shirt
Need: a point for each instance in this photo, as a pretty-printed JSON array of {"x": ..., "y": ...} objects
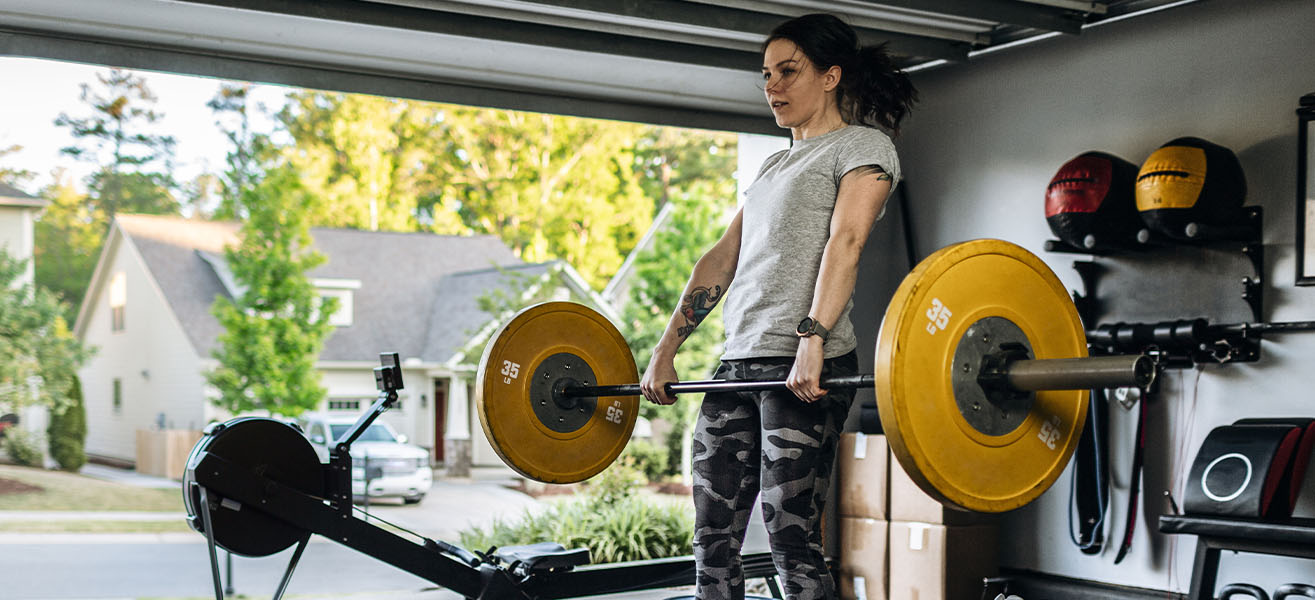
[{"x": 786, "y": 225}]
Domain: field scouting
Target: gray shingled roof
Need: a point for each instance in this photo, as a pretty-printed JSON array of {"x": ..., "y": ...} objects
[
  {"x": 457, "y": 316},
  {"x": 398, "y": 273},
  {"x": 402, "y": 279},
  {"x": 12, "y": 196},
  {"x": 9, "y": 191}
]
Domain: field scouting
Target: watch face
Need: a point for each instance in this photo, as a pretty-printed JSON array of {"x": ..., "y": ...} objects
[{"x": 805, "y": 326}]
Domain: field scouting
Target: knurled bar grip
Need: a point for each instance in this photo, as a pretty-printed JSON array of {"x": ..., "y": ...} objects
[
  {"x": 714, "y": 385},
  {"x": 1133, "y": 370}
]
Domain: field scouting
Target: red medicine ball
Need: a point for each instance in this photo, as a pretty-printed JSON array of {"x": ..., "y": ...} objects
[{"x": 1090, "y": 201}]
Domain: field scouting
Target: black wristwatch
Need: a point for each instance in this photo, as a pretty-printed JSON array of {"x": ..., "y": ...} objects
[{"x": 810, "y": 326}]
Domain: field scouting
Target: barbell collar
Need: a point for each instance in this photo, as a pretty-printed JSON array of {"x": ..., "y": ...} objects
[{"x": 1130, "y": 370}]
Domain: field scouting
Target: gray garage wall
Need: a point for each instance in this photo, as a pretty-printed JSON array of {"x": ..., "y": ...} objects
[{"x": 978, "y": 153}]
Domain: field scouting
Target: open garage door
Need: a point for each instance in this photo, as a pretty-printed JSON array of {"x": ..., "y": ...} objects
[{"x": 690, "y": 63}]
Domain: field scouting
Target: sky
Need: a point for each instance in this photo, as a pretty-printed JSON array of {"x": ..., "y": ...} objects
[{"x": 37, "y": 91}]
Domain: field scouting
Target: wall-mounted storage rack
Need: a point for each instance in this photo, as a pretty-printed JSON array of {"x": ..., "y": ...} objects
[
  {"x": 1292, "y": 537},
  {"x": 1181, "y": 342}
]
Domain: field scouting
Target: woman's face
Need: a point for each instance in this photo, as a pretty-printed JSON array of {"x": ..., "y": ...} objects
[{"x": 795, "y": 89}]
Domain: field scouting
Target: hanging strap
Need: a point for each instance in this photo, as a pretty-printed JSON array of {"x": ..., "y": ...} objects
[
  {"x": 1134, "y": 486},
  {"x": 1089, "y": 493}
]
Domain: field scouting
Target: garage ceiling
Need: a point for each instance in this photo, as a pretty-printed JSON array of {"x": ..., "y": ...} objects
[{"x": 679, "y": 62}]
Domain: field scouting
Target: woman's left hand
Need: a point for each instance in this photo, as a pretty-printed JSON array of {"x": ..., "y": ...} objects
[{"x": 806, "y": 374}]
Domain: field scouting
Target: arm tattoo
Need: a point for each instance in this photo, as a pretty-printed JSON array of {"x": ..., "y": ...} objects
[
  {"x": 698, "y": 303},
  {"x": 881, "y": 173}
]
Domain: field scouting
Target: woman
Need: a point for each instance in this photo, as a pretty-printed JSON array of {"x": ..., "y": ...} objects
[{"x": 793, "y": 253}]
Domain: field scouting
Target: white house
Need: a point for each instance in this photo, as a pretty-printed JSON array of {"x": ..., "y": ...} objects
[
  {"x": 148, "y": 311},
  {"x": 18, "y": 212}
]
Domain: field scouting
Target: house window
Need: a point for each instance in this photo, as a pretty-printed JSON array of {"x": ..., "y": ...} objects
[
  {"x": 118, "y": 301},
  {"x": 118, "y": 395},
  {"x": 342, "y": 317},
  {"x": 341, "y": 290},
  {"x": 344, "y": 405},
  {"x": 354, "y": 404}
]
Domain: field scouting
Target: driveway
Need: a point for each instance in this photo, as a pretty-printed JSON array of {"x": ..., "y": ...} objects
[{"x": 454, "y": 505}]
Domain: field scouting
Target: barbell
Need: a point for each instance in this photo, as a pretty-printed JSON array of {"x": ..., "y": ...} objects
[{"x": 981, "y": 379}]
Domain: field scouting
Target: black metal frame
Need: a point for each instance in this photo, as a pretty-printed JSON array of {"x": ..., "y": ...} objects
[
  {"x": 1292, "y": 537},
  {"x": 1305, "y": 121},
  {"x": 1247, "y": 236},
  {"x": 1236, "y": 342},
  {"x": 1034, "y": 584},
  {"x": 475, "y": 577}
]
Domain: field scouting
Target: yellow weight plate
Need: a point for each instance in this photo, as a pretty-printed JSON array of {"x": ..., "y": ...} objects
[
  {"x": 532, "y": 351},
  {"x": 938, "y": 301}
]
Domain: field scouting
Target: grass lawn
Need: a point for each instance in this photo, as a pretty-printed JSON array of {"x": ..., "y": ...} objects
[
  {"x": 175, "y": 526},
  {"x": 24, "y": 488}
]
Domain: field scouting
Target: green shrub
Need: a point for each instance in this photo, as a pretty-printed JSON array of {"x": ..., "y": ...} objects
[
  {"x": 618, "y": 481},
  {"x": 633, "y": 528},
  {"x": 674, "y": 447},
  {"x": 23, "y": 447},
  {"x": 650, "y": 459},
  {"x": 68, "y": 431}
]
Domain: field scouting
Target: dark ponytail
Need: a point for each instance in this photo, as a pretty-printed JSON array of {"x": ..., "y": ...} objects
[{"x": 873, "y": 91}]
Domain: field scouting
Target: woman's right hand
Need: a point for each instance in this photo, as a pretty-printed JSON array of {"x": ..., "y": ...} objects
[{"x": 659, "y": 373}]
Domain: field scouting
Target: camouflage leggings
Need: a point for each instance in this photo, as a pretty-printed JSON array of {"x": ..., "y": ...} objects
[{"x": 747, "y": 441}]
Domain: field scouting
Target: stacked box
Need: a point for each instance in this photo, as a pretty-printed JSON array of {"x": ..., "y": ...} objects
[
  {"x": 862, "y": 572},
  {"x": 862, "y": 464},
  {"x": 935, "y": 562},
  {"x": 862, "y": 469},
  {"x": 935, "y": 552}
]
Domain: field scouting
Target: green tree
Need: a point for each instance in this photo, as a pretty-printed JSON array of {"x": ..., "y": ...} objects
[
  {"x": 551, "y": 187},
  {"x": 660, "y": 274},
  {"x": 38, "y": 353},
  {"x": 116, "y": 136},
  {"x": 67, "y": 433},
  {"x": 686, "y": 163},
  {"x": 693, "y": 172},
  {"x": 12, "y": 175},
  {"x": 275, "y": 328},
  {"x": 133, "y": 174},
  {"x": 365, "y": 157},
  {"x": 68, "y": 240},
  {"x": 202, "y": 197},
  {"x": 250, "y": 152}
]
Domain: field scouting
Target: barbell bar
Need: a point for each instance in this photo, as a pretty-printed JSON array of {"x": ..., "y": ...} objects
[
  {"x": 1132, "y": 370},
  {"x": 980, "y": 374}
]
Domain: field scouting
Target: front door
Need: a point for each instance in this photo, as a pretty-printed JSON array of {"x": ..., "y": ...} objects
[{"x": 440, "y": 418}]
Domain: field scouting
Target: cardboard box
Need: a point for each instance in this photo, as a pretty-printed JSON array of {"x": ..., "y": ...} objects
[
  {"x": 861, "y": 473},
  {"x": 909, "y": 503},
  {"x": 940, "y": 562},
  {"x": 862, "y": 571}
]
